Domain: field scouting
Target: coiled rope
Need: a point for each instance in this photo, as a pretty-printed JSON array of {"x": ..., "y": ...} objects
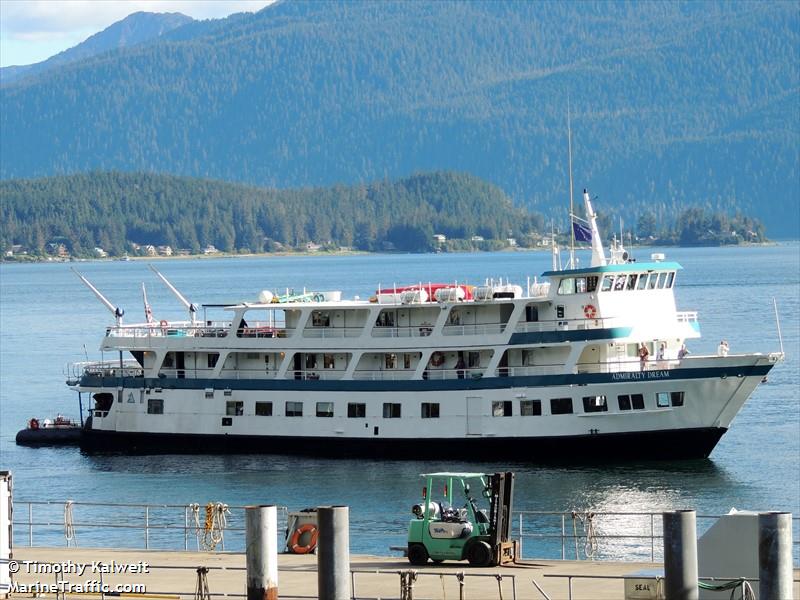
[
  {"x": 69, "y": 525},
  {"x": 733, "y": 585},
  {"x": 590, "y": 537},
  {"x": 212, "y": 531}
]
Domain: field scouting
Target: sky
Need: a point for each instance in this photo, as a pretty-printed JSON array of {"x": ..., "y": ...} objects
[{"x": 33, "y": 30}]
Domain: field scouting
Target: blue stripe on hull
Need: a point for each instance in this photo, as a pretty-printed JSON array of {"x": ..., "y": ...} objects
[
  {"x": 431, "y": 385},
  {"x": 607, "y": 448},
  {"x": 572, "y": 335}
]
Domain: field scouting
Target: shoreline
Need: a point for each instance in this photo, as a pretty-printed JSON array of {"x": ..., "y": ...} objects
[{"x": 336, "y": 253}]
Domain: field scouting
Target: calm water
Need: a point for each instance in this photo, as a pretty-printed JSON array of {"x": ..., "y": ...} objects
[{"x": 49, "y": 319}]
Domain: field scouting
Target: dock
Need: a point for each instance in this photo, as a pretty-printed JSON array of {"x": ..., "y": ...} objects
[{"x": 170, "y": 575}]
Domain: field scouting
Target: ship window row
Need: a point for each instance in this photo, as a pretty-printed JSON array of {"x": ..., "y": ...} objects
[{"x": 638, "y": 281}]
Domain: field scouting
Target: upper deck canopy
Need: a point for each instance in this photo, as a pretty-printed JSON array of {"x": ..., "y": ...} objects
[{"x": 632, "y": 267}]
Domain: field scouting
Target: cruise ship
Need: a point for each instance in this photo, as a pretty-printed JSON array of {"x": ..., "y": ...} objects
[{"x": 586, "y": 363}]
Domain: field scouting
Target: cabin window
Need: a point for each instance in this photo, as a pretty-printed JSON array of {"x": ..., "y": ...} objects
[
  {"x": 430, "y": 410},
  {"x": 390, "y": 361},
  {"x": 637, "y": 400},
  {"x": 263, "y": 409},
  {"x": 591, "y": 283},
  {"x": 234, "y": 408},
  {"x": 454, "y": 318},
  {"x": 530, "y": 408},
  {"x": 594, "y": 404},
  {"x": 608, "y": 283},
  {"x": 391, "y": 410},
  {"x": 385, "y": 319},
  {"x": 632, "y": 281},
  {"x": 320, "y": 319},
  {"x": 227, "y": 421},
  {"x": 670, "y": 279},
  {"x": 209, "y": 392},
  {"x": 328, "y": 361},
  {"x": 502, "y": 408},
  {"x": 642, "y": 282},
  {"x": 356, "y": 410},
  {"x": 632, "y": 401},
  {"x": 531, "y": 314},
  {"x": 473, "y": 359},
  {"x": 211, "y": 359},
  {"x": 566, "y": 286},
  {"x": 619, "y": 283},
  {"x": 561, "y": 406},
  {"x": 294, "y": 409},
  {"x": 266, "y": 360},
  {"x": 406, "y": 361},
  {"x": 676, "y": 398},
  {"x": 324, "y": 409},
  {"x": 662, "y": 399},
  {"x": 155, "y": 406}
]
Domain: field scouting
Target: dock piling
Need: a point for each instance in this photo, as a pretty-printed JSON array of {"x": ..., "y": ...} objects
[
  {"x": 775, "y": 556},
  {"x": 261, "y": 547},
  {"x": 333, "y": 562},
  {"x": 680, "y": 555}
]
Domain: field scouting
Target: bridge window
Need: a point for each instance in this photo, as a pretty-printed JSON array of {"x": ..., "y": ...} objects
[
  {"x": 608, "y": 282},
  {"x": 670, "y": 279},
  {"x": 530, "y": 408},
  {"x": 591, "y": 283},
  {"x": 632, "y": 281},
  {"x": 561, "y": 406},
  {"x": 652, "y": 283},
  {"x": 619, "y": 284},
  {"x": 662, "y": 280},
  {"x": 566, "y": 286},
  {"x": 642, "y": 282}
]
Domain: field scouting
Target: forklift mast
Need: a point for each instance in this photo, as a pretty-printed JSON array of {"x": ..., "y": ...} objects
[{"x": 501, "y": 486}]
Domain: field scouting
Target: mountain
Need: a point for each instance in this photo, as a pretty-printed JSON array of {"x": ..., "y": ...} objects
[
  {"x": 113, "y": 210},
  {"x": 672, "y": 104},
  {"x": 134, "y": 29}
]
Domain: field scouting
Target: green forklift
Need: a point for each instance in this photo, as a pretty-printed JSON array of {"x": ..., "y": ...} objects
[{"x": 453, "y": 521}]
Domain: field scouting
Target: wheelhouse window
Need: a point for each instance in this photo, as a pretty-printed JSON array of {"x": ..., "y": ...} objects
[
  {"x": 324, "y": 409},
  {"x": 608, "y": 283},
  {"x": 502, "y": 408},
  {"x": 652, "y": 283},
  {"x": 580, "y": 285},
  {"x": 632, "y": 279},
  {"x": 561, "y": 406},
  {"x": 566, "y": 286},
  {"x": 294, "y": 409},
  {"x": 670, "y": 279},
  {"x": 430, "y": 410},
  {"x": 263, "y": 409},
  {"x": 234, "y": 408},
  {"x": 391, "y": 410},
  {"x": 662, "y": 399},
  {"x": 155, "y": 406},
  {"x": 642, "y": 283},
  {"x": 356, "y": 410},
  {"x": 619, "y": 282},
  {"x": 591, "y": 283},
  {"x": 676, "y": 398},
  {"x": 593, "y": 404},
  {"x": 530, "y": 408}
]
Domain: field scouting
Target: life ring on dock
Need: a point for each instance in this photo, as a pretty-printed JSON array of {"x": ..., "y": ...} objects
[
  {"x": 437, "y": 359},
  {"x": 590, "y": 311},
  {"x": 33, "y": 424},
  {"x": 294, "y": 542}
]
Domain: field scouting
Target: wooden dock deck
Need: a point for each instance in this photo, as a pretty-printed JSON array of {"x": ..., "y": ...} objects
[{"x": 173, "y": 575}]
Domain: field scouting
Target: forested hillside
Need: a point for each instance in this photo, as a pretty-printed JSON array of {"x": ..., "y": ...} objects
[
  {"x": 673, "y": 104},
  {"x": 114, "y": 210}
]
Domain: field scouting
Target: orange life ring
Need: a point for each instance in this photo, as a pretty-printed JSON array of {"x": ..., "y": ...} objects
[
  {"x": 590, "y": 311},
  {"x": 294, "y": 542},
  {"x": 33, "y": 424},
  {"x": 437, "y": 359}
]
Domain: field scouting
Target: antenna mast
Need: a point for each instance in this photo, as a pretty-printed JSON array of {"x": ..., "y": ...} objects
[{"x": 571, "y": 208}]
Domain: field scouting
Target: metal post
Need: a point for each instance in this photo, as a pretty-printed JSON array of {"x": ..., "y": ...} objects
[
  {"x": 261, "y": 549},
  {"x": 775, "y": 556},
  {"x": 146, "y": 527},
  {"x": 30, "y": 524},
  {"x": 185, "y": 528},
  {"x": 680, "y": 555},
  {"x": 563, "y": 537},
  {"x": 6, "y": 533},
  {"x": 333, "y": 562},
  {"x": 652, "y": 538}
]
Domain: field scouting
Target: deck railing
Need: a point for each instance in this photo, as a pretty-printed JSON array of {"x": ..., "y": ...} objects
[{"x": 571, "y": 535}]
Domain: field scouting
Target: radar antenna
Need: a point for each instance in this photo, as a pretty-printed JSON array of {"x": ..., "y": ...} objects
[
  {"x": 115, "y": 310},
  {"x": 192, "y": 308}
]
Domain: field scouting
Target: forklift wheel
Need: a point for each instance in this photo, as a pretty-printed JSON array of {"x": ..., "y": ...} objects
[
  {"x": 417, "y": 554},
  {"x": 479, "y": 554}
]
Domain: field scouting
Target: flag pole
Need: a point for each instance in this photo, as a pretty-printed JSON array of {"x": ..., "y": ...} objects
[{"x": 571, "y": 208}]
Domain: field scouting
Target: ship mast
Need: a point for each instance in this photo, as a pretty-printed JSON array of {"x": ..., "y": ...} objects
[{"x": 571, "y": 208}]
